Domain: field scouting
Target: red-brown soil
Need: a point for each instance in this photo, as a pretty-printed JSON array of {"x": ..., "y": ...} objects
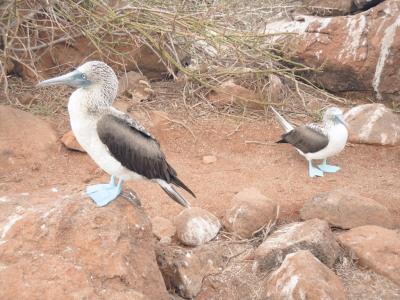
[{"x": 276, "y": 170}]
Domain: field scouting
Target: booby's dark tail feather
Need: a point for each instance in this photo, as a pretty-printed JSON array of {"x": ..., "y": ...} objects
[
  {"x": 169, "y": 189},
  {"x": 281, "y": 142},
  {"x": 179, "y": 183}
]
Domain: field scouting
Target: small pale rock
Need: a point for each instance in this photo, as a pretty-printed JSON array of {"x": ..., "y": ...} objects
[
  {"x": 69, "y": 141},
  {"x": 303, "y": 276},
  {"x": 250, "y": 210},
  {"x": 135, "y": 85},
  {"x": 313, "y": 235},
  {"x": 196, "y": 226},
  {"x": 9, "y": 65},
  {"x": 277, "y": 89},
  {"x": 229, "y": 93},
  {"x": 375, "y": 247},
  {"x": 209, "y": 159},
  {"x": 373, "y": 124},
  {"x": 163, "y": 228},
  {"x": 346, "y": 209},
  {"x": 184, "y": 270}
]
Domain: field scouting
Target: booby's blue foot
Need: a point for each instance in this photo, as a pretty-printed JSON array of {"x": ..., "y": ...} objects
[
  {"x": 103, "y": 194},
  {"x": 93, "y": 188},
  {"x": 328, "y": 168},
  {"x": 314, "y": 172}
]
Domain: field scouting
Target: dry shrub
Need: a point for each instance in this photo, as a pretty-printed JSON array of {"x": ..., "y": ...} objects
[{"x": 225, "y": 40}]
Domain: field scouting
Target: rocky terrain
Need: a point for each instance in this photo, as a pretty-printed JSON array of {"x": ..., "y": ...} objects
[
  {"x": 260, "y": 228},
  {"x": 55, "y": 242}
]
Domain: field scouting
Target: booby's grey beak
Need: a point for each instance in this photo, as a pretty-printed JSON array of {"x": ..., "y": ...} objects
[
  {"x": 75, "y": 78},
  {"x": 340, "y": 119}
]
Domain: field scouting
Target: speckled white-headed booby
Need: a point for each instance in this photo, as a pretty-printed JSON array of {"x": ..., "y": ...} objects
[
  {"x": 317, "y": 142},
  {"x": 115, "y": 141}
]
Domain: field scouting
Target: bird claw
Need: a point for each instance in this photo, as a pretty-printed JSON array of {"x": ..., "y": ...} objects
[{"x": 131, "y": 197}]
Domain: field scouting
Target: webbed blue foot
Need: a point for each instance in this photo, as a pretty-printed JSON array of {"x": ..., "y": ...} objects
[
  {"x": 103, "y": 194},
  {"x": 314, "y": 172},
  {"x": 328, "y": 168}
]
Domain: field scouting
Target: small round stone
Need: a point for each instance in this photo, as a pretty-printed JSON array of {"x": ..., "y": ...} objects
[{"x": 196, "y": 226}]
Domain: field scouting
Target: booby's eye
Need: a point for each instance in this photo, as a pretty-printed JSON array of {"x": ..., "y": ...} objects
[{"x": 83, "y": 76}]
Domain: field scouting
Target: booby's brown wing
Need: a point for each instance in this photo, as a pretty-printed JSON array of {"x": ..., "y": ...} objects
[
  {"x": 136, "y": 149},
  {"x": 309, "y": 139}
]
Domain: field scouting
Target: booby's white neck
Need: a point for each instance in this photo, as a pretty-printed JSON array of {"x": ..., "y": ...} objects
[
  {"x": 331, "y": 126},
  {"x": 89, "y": 100},
  {"x": 84, "y": 113}
]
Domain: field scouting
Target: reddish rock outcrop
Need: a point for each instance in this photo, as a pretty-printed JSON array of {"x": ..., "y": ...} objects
[
  {"x": 313, "y": 235},
  {"x": 62, "y": 47},
  {"x": 163, "y": 229},
  {"x": 184, "y": 270},
  {"x": 24, "y": 135},
  {"x": 250, "y": 210},
  {"x": 55, "y": 59},
  {"x": 373, "y": 124},
  {"x": 60, "y": 246},
  {"x": 375, "y": 247},
  {"x": 346, "y": 209},
  {"x": 356, "y": 53},
  {"x": 229, "y": 93},
  {"x": 303, "y": 276},
  {"x": 134, "y": 85}
]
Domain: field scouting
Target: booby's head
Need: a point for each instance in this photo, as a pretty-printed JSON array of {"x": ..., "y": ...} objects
[
  {"x": 334, "y": 115},
  {"x": 92, "y": 75}
]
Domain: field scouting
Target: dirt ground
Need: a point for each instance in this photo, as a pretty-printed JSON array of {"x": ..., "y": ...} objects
[{"x": 276, "y": 170}]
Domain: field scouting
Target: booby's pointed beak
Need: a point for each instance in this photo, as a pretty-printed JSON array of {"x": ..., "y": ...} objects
[
  {"x": 75, "y": 78},
  {"x": 340, "y": 119}
]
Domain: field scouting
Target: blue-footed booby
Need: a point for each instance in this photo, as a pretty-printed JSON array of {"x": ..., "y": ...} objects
[
  {"x": 314, "y": 141},
  {"x": 116, "y": 142}
]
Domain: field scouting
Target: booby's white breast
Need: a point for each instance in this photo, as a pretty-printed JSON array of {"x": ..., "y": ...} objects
[
  {"x": 84, "y": 127},
  {"x": 337, "y": 135}
]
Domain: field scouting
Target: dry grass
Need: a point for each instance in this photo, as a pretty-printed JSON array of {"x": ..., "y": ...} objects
[
  {"x": 224, "y": 38},
  {"x": 364, "y": 284}
]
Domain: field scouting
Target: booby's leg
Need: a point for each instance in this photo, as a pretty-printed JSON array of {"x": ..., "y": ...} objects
[
  {"x": 328, "y": 168},
  {"x": 102, "y": 194},
  {"x": 93, "y": 188},
  {"x": 312, "y": 171}
]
